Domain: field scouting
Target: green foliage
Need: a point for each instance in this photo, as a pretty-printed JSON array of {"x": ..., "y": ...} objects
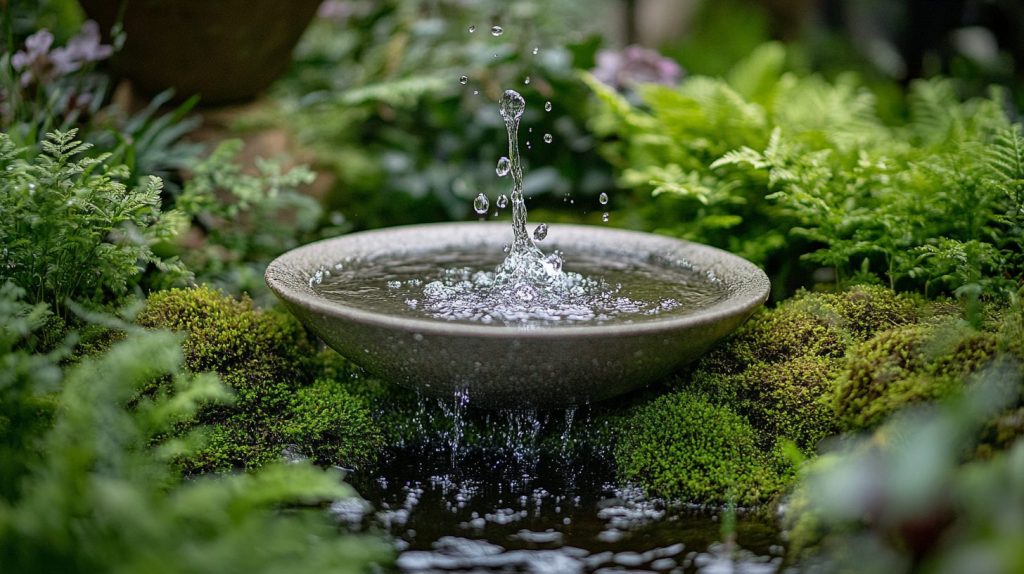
[
  {"x": 376, "y": 99},
  {"x": 101, "y": 497},
  {"x": 902, "y": 499},
  {"x": 25, "y": 379},
  {"x": 73, "y": 231},
  {"x": 777, "y": 166},
  {"x": 907, "y": 365},
  {"x": 243, "y": 220},
  {"x": 682, "y": 446},
  {"x": 263, "y": 356}
]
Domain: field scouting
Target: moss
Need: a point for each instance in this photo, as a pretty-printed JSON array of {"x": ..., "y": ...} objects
[
  {"x": 268, "y": 361},
  {"x": 904, "y": 366},
  {"x": 332, "y": 425},
  {"x": 791, "y": 399},
  {"x": 862, "y": 310},
  {"x": 682, "y": 446}
]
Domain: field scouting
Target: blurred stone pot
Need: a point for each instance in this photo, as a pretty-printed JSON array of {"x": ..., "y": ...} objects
[{"x": 223, "y": 50}]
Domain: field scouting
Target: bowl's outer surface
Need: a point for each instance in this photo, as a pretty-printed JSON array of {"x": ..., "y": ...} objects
[{"x": 509, "y": 366}]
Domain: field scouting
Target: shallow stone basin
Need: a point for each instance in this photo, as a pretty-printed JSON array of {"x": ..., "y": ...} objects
[{"x": 505, "y": 366}]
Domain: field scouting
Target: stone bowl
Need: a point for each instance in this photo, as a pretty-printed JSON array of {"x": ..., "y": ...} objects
[{"x": 509, "y": 366}]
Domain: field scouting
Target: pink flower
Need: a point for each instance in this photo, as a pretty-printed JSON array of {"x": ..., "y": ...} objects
[
  {"x": 635, "y": 65},
  {"x": 38, "y": 64}
]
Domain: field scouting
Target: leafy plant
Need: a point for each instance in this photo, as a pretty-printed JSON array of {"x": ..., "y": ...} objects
[
  {"x": 72, "y": 231},
  {"x": 101, "y": 496},
  {"x": 375, "y": 97},
  {"x": 778, "y": 166},
  {"x": 243, "y": 219}
]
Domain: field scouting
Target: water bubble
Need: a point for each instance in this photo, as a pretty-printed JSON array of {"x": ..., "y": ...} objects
[
  {"x": 527, "y": 80},
  {"x": 503, "y": 167},
  {"x": 547, "y": 138},
  {"x": 535, "y": 50},
  {"x": 541, "y": 232},
  {"x": 604, "y": 217},
  {"x": 480, "y": 204},
  {"x": 463, "y": 80},
  {"x": 502, "y": 201},
  {"x": 496, "y": 31},
  {"x": 547, "y": 106},
  {"x": 603, "y": 198},
  {"x": 512, "y": 105},
  {"x": 472, "y": 29}
]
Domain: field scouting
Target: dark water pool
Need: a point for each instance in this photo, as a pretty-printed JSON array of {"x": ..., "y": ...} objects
[{"x": 523, "y": 508}]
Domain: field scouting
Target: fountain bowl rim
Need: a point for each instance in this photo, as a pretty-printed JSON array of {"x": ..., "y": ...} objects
[{"x": 279, "y": 276}]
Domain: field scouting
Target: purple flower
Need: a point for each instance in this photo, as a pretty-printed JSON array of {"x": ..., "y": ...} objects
[
  {"x": 336, "y": 10},
  {"x": 38, "y": 64},
  {"x": 635, "y": 65}
]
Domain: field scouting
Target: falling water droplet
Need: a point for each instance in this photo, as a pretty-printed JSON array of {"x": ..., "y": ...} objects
[
  {"x": 547, "y": 138},
  {"x": 463, "y": 80},
  {"x": 527, "y": 80},
  {"x": 502, "y": 201},
  {"x": 541, "y": 232},
  {"x": 496, "y": 31},
  {"x": 480, "y": 204},
  {"x": 503, "y": 167},
  {"x": 603, "y": 198},
  {"x": 476, "y": 92},
  {"x": 507, "y": 247},
  {"x": 604, "y": 217},
  {"x": 535, "y": 50},
  {"x": 547, "y": 106},
  {"x": 512, "y": 105},
  {"x": 472, "y": 29}
]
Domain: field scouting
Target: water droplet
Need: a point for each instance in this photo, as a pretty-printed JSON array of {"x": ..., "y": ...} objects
[
  {"x": 541, "y": 232},
  {"x": 547, "y": 138},
  {"x": 604, "y": 217},
  {"x": 463, "y": 80},
  {"x": 507, "y": 247},
  {"x": 535, "y": 50},
  {"x": 512, "y": 105},
  {"x": 603, "y": 198},
  {"x": 503, "y": 167},
  {"x": 527, "y": 80},
  {"x": 496, "y": 31},
  {"x": 502, "y": 201},
  {"x": 547, "y": 106},
  {"x": 480, "y": 204},
  {"x": 476, "y": 92},
  {"x": 472, "y": 29}
]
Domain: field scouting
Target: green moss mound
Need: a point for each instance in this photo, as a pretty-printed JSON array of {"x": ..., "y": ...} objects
[
  {"x": 790, "y": 399},
  {"x": 905, "y": 366},
  {"x": 329, "y": 424},
  {"x": 682, "y": 446},
  {"x": 269, "y": 362}
]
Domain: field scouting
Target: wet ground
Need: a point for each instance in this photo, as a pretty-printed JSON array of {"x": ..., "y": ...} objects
[{"x": 525, "y": 509}]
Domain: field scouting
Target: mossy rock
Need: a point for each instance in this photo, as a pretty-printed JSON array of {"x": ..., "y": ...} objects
[
  {"x": 791, "y": 399},
  {"x": 330, "y": 425},
  {"x": 268, "y": 361},
  {"x": 905, "y": 366},
  {"x": 862, "y": 310},
  {"x": 682, "y": 446}
]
